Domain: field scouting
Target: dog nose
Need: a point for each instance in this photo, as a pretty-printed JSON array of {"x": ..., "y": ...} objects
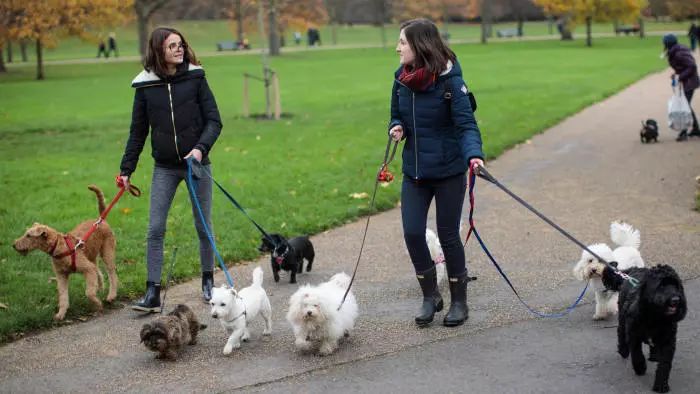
[
  {"x": 214, "y": 315},
  {"x": 309, "y": 313},
  {"x": 675, "y": 300}
]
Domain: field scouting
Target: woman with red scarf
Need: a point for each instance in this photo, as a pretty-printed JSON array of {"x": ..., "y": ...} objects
[{"x": 431, "y": 111}]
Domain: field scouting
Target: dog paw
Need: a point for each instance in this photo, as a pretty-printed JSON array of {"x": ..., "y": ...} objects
[
  {"x": 227, "y": 350},
  {"x": 267, "y": 332},
  {"x": 598, "y": 317},
  {"x": 661, "y": 387},
  {"x": 326, "y": 349},
  {"x": 59, "y": 316},
  {"x": 302, "y": 344}
]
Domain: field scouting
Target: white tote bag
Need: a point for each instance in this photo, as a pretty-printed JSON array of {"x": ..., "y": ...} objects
[{"x": 679, "y": 116}]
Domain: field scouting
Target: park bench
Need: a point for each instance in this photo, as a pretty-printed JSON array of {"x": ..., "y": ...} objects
[
  {"x": 627, "y": 29},
  {"x": 226, "y": 45},
  {"x": 507, "y": 33}
]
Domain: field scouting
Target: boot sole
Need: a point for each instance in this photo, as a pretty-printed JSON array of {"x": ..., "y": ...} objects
[
  {"x": 145, "y": 309},
  {"x": 424, "y": 323},
  {"x": 453, "y": 323}
]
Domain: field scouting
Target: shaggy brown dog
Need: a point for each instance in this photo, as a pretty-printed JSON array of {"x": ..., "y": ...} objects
[
  {"x": 167, "y": 334},
  {"x": 101, "y": 242}
]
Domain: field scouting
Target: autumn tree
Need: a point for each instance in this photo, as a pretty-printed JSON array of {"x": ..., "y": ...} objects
[
  {"x": 681, "y": 9},
  {"x": 588, "y": 11},
  {"x": 144, "y": 10}
]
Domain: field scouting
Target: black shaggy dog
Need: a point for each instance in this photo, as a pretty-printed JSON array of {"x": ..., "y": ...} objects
[
  {"x": 288, "y": 255},
  {"x": 649, "y": 132},
  {"x": 648, "y": 313}
]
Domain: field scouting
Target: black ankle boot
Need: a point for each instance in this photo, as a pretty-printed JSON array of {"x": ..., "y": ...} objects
[
  {"x": 459, "y": 311},
  {"x": 432, "y": 301},
  {"x": 207, "y": 284},
  {"x": 150, "y": 301}
]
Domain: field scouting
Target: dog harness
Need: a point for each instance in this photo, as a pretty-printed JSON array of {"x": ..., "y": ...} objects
[{"x": 70, "y": 252}]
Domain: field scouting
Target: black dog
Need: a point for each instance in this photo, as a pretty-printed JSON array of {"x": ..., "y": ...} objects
[
  {"x": 288, "y": 255},
  {"x": 650, "y": 131},
  {"x": 648, "y": 313}
]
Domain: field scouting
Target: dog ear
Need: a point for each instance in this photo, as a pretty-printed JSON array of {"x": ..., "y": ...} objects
[
  {"x": 234, "y": 292},
  {"x": 613, "y": 263},
  {"x": 145, "y": 330},
  {"x": 38, "y": 231}
]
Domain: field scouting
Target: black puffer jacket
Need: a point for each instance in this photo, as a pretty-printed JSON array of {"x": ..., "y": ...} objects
[
  {"x": 181, "y": 113},
  {"x": 683, "y": 63}
]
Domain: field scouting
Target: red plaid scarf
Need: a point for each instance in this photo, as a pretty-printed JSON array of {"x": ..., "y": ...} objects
[{"x": 417, "y": 79}]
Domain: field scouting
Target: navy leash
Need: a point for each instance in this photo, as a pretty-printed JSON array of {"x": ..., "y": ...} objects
[
  {"x": 472, "y": 230},
  {"x": 388, "y": 158},
  {"x": 192, "y": 187}
]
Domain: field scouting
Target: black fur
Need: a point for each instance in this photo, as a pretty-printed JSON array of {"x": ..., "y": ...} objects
[
  {"x": 650, "y": 131},
  {"x": 649, "y": 313},
  {"x": 288, "y": 255}
]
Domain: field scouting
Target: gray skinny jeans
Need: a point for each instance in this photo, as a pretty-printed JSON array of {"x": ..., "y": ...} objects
[{"x": 163, "y": 187}]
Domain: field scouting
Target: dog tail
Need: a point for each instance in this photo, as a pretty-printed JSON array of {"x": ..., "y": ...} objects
[
  {"x": 257, "y": 277},
  {"x": 623, "y": 234},
  {"x": 100, "y": 198}
]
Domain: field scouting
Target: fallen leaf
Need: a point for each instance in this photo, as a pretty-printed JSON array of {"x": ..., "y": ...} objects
[
  {"x": 4, "y": 306},
  {"x": 128, "y": 261},
  {"x": 283, "y": 225},
  {"x": 257, "y": 138},
  {"x": 65, "y": 172},
  {"x": 82, "y": 318},
  {"x": 126, "y": 211},
  {"x": 359, "y": 195},
  {"x": 227, "y": 149},
  {"x": 52, "y": 279}
]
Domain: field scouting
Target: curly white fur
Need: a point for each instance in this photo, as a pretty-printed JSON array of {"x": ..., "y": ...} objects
[
  {"x": 436, "y": 253},
  {"x": 236, "y": 309},
  {"x": 316, "y": 321},
  {"x": 627, "y": 255}
]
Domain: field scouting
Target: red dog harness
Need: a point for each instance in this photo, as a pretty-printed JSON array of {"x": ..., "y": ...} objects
[{"x": 70, "y": 252}]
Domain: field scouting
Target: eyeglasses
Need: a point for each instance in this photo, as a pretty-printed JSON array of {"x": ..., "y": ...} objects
[{"x": 173, "y": 46}]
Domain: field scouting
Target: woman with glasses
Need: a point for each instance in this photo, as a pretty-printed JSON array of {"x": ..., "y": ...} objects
[{"x": 173, "y": 101}]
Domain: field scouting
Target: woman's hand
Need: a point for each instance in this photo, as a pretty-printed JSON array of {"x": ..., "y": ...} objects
[
  {"x": 396, "y": 132},
  {"x": 475, "y": 163},
  {"x": 196, "y": 153},
  {"x": 125, "y": 181}
]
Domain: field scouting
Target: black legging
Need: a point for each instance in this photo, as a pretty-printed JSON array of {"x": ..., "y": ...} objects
[
  {"x": 689, "y": 97},
  {"x": 415, "y": 202}
]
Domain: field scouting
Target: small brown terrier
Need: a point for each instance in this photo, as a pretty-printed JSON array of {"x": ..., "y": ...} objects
[
  {"x": 167, "y": 334},
  {"x": 101, "y": 242}
]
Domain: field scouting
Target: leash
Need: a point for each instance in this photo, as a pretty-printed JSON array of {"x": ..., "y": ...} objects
[
  {"x": 486, "y": 176},
  {"x": 383, "y": 175},
  {"x": 472, "y": 230},
  {"x": 133, "y": 190},
  {"x": 167, "y": 281},
  {"x": 192, "y": 188}
]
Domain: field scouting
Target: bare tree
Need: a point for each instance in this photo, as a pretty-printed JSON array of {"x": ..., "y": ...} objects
[
  {"x": 144, "y": 11},
  {"x": 273, "y": 32},
  {"x": 485, "y": 20}
]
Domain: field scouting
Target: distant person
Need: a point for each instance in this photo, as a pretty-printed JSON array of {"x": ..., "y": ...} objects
[
  {"x": 172, "y": 102},
  {"x": 102, "y": 49},
  {"x": 313, "y": 36},
  {"x": 442, "y": 140},
  {"x": 693, "y": 35},
  {"x": 112, "y": 47},
  {"x": 297, "y": 37},
  {"x": 685, "y": 70}
]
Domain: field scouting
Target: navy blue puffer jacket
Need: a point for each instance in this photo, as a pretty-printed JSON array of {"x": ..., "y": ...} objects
[{"x": 439, "y": 126}]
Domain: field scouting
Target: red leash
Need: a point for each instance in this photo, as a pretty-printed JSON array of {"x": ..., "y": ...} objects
[{"x": 135, "y": 191}]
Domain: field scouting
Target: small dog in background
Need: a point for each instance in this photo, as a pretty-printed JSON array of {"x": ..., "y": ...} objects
[
  {"x": 83, "y": 260},
  {"x": 649, "y": 132},
  {"x": 436, "y": 254},
  {"x": 288, "y": 255},
  {"x": 626, "y": 255},
  {"x": 236, "y": 309},
  {"x": 166, "y": 335},
  {"x": 314, "y": 316},
  {"x": 649, "y": 313}
]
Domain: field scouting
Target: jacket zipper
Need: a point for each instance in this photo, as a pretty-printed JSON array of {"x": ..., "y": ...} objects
[
  {"x": 172, "y": 117},
  {"x": 415, "y": 132}
]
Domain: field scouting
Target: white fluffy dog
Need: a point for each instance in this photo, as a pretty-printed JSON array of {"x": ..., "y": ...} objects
[
  {"x": 315, "y": 318},
  {"x": 236, "y": 309},
  {"x": 626, "y": 255},
  {"x": 436, "y": 254}
]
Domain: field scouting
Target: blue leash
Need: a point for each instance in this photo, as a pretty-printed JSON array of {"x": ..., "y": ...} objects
[
  {"x": 192, "y": 187},
  {"x": 472, "y": 230}
]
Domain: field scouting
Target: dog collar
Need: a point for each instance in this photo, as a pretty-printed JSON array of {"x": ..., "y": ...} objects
[
  {"x": 70, "y": 252},
  {"x": 235, "y": 318}
]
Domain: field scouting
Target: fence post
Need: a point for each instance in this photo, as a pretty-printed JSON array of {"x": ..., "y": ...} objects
[
  {"x": 246, "y": 103},
  {"x": 276, "y": 88}
]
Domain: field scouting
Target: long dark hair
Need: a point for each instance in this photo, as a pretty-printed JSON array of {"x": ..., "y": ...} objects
[
  {"x": 425, "y": 41},
  {"x": 155, "y": 56}
]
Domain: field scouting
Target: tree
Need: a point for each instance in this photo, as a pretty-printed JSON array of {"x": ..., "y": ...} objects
[
  {"x": 144, "y": 11},
  {"x": 46, "y": 21},
  {"x": 681, "y": 9},
  {"x": 588, "y": 11}
]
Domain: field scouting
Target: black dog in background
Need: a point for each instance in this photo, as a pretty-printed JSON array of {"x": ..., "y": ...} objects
[
  {"x": 648, "y": 313},
  {"x": 649, "y": 132},
  {"x": 288, "y": 255}
]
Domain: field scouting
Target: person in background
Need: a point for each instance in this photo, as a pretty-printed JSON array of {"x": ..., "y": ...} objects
[{"x": 685, "y": 70}]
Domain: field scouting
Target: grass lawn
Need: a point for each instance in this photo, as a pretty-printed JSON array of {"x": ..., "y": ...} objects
[
  {"x": 294, "y": 176},
  {"x": 203, "y": 36}
]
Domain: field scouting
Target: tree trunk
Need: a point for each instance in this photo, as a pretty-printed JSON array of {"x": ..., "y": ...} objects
[
  {"x": 3, "y": 69},
  {"x": 239, "y": 20},
  {"x": 381, "y": 17},
  {"x": 9, "y": 52},
  {"x": 485, "y": 20},
  {"x": 642, "y": 34},
  {"x": 521, "y": 22},
  {"x": 589, "y": 38},
  {"x": 144, "y": 11},
  {"x": 39, "y": 60},
  {"x": 23, "y": 50},
  {"x": 272, "y": 26}
]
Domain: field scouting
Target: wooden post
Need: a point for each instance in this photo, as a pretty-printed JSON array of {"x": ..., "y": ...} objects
[
  {"x": 276, "y": 89},
  {"x": 246, "y": 103}
]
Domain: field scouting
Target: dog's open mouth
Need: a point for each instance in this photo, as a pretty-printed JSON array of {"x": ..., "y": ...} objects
[{"x": 671, "y": 310}]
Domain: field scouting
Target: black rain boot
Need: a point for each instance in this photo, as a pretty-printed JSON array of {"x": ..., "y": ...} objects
[
  {"x": 150, "y": 301},
  {"x": 432, "y": 301},
  {"x": 207, "y": 284},
  {"x": 459, "y": 311}
]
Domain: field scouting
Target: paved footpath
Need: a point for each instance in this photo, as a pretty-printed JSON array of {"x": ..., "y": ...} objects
[{"x": 586, "y": 171}]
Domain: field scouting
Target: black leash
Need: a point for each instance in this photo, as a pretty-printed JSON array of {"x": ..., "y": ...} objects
[
  {"x": 167, "y": 281},
  {"x": 388, "y": 158}
]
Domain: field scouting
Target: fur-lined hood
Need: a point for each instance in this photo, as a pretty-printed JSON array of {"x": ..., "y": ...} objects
[{"x": 149, "y": 78}]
